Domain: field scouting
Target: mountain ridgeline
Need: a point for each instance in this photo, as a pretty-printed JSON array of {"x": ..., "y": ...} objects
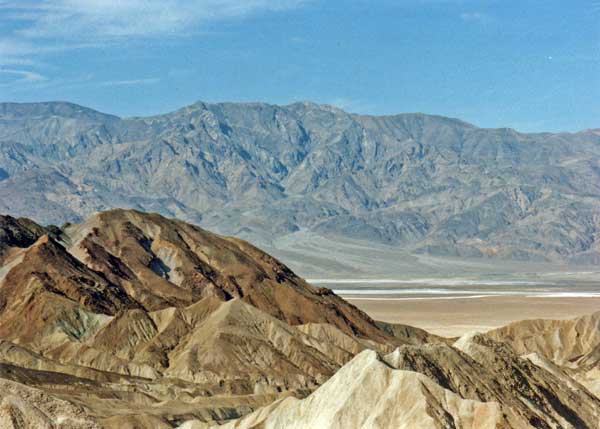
[{"x": 430, "y": 184}]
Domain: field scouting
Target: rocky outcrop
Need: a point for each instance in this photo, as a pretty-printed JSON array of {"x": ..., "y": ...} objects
[
  {"x": 22, "y": 407},
  {"x": 369, "y": 393}
]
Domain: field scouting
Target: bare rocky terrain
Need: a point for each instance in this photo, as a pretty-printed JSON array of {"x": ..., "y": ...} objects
[
  {"x": 134, "y": 320},
  {"x": 280, "y": 175}
]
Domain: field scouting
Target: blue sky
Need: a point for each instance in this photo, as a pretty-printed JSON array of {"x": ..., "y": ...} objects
[{"x": 532, "y": 65}]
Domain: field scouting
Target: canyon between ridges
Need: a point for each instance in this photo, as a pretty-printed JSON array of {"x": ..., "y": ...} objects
[{"x": 134, "y": 320}]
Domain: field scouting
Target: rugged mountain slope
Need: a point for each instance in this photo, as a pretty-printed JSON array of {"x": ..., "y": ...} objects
[
  {"x": 143, "y": 320},
  {"x": 432, "y": 184},
  {"x": 368, "y": 393},
  {"x": 571, "y": 346},
  {"x": 24, "y": 407},
  {"x": 164, "y": 262},
  {"x": 478, "y": 383},
  {"x": 121, "y": 259}
]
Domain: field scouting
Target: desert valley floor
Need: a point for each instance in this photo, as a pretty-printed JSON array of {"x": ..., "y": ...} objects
[
  {"x": 455, "y": 305},
  {"x": 457, "y": 316}
]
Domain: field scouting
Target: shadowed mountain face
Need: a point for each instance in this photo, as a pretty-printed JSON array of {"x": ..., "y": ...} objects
[
  {"x": 429, "y": 184},
  {"x": 133, "y": 320}
]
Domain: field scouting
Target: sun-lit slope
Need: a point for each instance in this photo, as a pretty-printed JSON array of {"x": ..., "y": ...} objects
[
  {"x": 117, "y": 399},
  {"x": 22, "y": 407},
  {"x": 565, "y": 342},
  {"x": 573, "y": 345},
  {"x": 17, "y": 355},
  {"x": 163, "y": 262},
  {"x": 544, "y": 398},
  {"x": 481, "y": 369},
  {"x": 227, "y": 346},
  {"x": 477, "y": 383},
  {"x": 369, "y": 393}
]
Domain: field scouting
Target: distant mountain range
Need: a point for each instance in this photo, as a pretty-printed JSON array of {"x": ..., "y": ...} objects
[{"x": 427, "y": 184}]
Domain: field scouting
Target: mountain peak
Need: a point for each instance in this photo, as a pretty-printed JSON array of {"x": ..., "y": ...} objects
[{"x": 52, "y": 108}]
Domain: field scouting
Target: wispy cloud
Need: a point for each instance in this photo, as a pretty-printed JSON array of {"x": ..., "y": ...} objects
[
  {"x": 100, "y": 20},
  {"x": 352, "y": 105},
  {"x": 15, "y": 61},
  {"x": 35, "y": 28},
  {"x": 20, "y": 50},
  {"x": 23, "y": 75},
  {"x": 130, "y": 82},
  {"x": 473, "y": 16}
]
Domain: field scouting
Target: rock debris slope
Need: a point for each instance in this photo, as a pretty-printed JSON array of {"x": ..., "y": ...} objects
[{"x": 431, "y": 184}]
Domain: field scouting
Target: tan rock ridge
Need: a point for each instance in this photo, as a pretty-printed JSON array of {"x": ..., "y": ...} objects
[
  {"x": 370, "y": 393},
  {"x": 565, "y": 342},
  {"x": 477, "y": 383},
  {"x": 571, "y": 345}
]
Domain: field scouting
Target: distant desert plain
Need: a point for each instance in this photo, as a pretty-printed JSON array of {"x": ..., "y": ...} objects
[
  {"x": 453, "y": 307},
  {"x": 453, "y": 318}
]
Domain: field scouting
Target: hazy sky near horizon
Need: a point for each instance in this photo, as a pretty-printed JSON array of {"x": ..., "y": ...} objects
[{"x": 532, "y": 65}]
